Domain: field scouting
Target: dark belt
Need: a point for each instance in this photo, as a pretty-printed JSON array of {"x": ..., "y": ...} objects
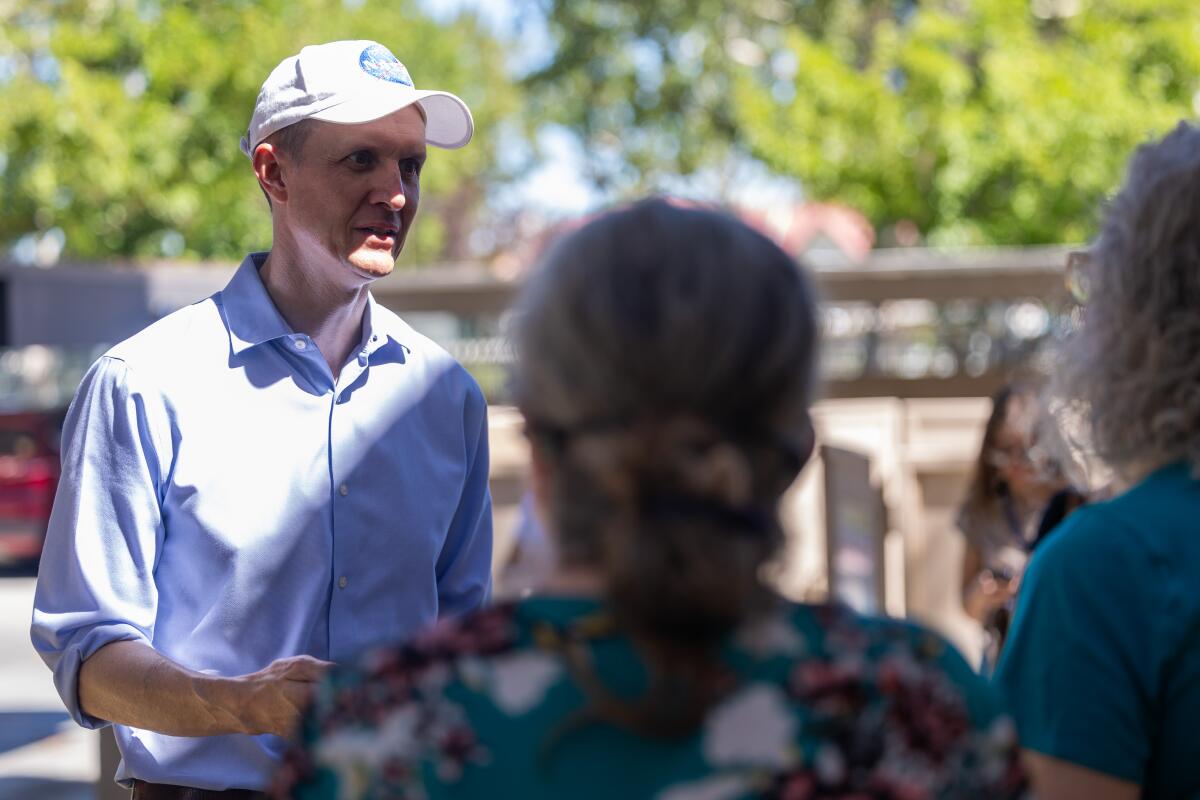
[{"x": 165, "y": 791}]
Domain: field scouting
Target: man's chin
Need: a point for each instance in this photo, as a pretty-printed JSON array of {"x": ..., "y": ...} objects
[{"x": 372, "y": 264}]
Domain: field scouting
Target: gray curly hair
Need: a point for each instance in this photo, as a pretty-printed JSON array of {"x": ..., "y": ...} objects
[{"x": 1131, "y": 371}]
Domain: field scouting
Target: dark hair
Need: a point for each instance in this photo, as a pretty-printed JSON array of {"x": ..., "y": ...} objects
[
  {"x": 987, "y": 489},
  {"x": 666, "y": 362},
  {"x": 986, "y": 485}
]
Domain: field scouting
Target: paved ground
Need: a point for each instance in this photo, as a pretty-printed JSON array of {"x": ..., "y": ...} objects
[{"x": 43, "y": 755}]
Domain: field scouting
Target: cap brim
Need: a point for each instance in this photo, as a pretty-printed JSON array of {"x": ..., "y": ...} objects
[{"x": 448, "y": 122}]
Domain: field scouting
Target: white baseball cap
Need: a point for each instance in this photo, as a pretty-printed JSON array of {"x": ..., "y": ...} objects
[{"x": 351, "y": 83}]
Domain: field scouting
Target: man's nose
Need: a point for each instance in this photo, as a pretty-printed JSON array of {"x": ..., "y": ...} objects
[
  {"x": 391, "y": 192},
  {"x": 396, "y": 201}
]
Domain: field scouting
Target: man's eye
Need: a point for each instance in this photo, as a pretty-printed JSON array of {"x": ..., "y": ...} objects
[
  {"x": 361, "y": 158},
  {"x": 410, "y": 166}
]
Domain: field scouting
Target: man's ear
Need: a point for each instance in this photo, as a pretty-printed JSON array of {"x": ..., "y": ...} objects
[{"x": 269, "y": 170}]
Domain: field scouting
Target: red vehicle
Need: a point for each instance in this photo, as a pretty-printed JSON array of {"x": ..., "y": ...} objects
[{"x": 29, "y": 470}]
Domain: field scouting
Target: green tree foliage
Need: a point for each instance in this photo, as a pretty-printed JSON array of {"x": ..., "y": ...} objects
[
  {"x": 121, "y": 118},
  {"x": 981, "y": 121}
]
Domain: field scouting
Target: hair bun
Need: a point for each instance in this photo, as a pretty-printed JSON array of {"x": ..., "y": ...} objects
[
  {"x": 680, "y": 457},
  {"x": 696, "y": 461}
]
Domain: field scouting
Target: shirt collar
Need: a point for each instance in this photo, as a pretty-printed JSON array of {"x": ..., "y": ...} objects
[
  {"x": 252, "y": 318},
  {"x": 250, "y": 314},
  {"x": 383, "y": 329}
]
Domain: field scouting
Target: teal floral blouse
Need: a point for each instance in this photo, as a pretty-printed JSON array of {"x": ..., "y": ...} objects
[{"x": 822, "y": 704}]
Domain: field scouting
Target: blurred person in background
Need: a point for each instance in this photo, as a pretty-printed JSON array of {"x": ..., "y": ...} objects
[
  {"x": 1018, "y": 493},
  {"x": 531, "y": 558},
  {"x": 280, "y": 475},
  {"x": 1102, "y": 664},
  {"x": 666, "y": 363}
]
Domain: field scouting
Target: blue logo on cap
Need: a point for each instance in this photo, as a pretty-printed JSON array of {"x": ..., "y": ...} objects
[{"x": 378, "y": 62}]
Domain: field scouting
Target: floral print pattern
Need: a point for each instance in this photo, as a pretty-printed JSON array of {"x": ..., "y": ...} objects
[{"x": 826, "y": 705}]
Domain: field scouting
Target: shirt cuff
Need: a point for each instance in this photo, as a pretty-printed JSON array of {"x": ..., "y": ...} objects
[{"x": 66, "y": 671}]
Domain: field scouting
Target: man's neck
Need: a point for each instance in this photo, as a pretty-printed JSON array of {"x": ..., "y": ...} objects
[{"x": 331, "y": 315}]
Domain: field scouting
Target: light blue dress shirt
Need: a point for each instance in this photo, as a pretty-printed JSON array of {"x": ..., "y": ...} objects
[{"x": 226, "y": 501}]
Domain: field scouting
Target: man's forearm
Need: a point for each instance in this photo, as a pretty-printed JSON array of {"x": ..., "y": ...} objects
[{"x": 130, "y": 683}]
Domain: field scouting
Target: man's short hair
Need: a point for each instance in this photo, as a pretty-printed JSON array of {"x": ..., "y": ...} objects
[
  {"x": 289, "y": 140},
  {"x": 292, "y": 138}
]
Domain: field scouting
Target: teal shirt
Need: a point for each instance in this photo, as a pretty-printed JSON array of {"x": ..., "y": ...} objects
[
  {"x": 1102, "y": 664},
  {"x": 820, "y": 703}
]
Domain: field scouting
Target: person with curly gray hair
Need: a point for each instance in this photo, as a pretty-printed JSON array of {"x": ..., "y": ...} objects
[
  {"x": 665, "y": 369},
  {"x": 1102, "y": 664}
]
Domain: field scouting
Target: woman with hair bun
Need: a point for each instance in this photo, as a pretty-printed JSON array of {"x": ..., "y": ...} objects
[
  {"x": 1102, "y": 662},
  {"x": 666, "y": 363}
]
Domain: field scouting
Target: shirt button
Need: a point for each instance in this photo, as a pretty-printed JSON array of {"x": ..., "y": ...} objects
[
  {"x": 300, "y": 344},
  {"x": 342, "y": 582},
  {"x": 343, "y": 490}
]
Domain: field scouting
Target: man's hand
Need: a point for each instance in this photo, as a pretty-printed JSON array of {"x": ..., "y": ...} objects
[
  {"x": 130, "y": 683},
  {"x": 275, "y": 696}
]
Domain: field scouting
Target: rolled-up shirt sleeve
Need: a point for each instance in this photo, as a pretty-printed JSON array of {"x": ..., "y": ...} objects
[
  {"x": 96, "y": 577},
  {"x": 464, "y": 567}
]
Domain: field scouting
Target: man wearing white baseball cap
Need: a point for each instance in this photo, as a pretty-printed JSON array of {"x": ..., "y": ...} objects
[
  {"x": 350, "y": 83},
  {"x": 279, "y": 476}
]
